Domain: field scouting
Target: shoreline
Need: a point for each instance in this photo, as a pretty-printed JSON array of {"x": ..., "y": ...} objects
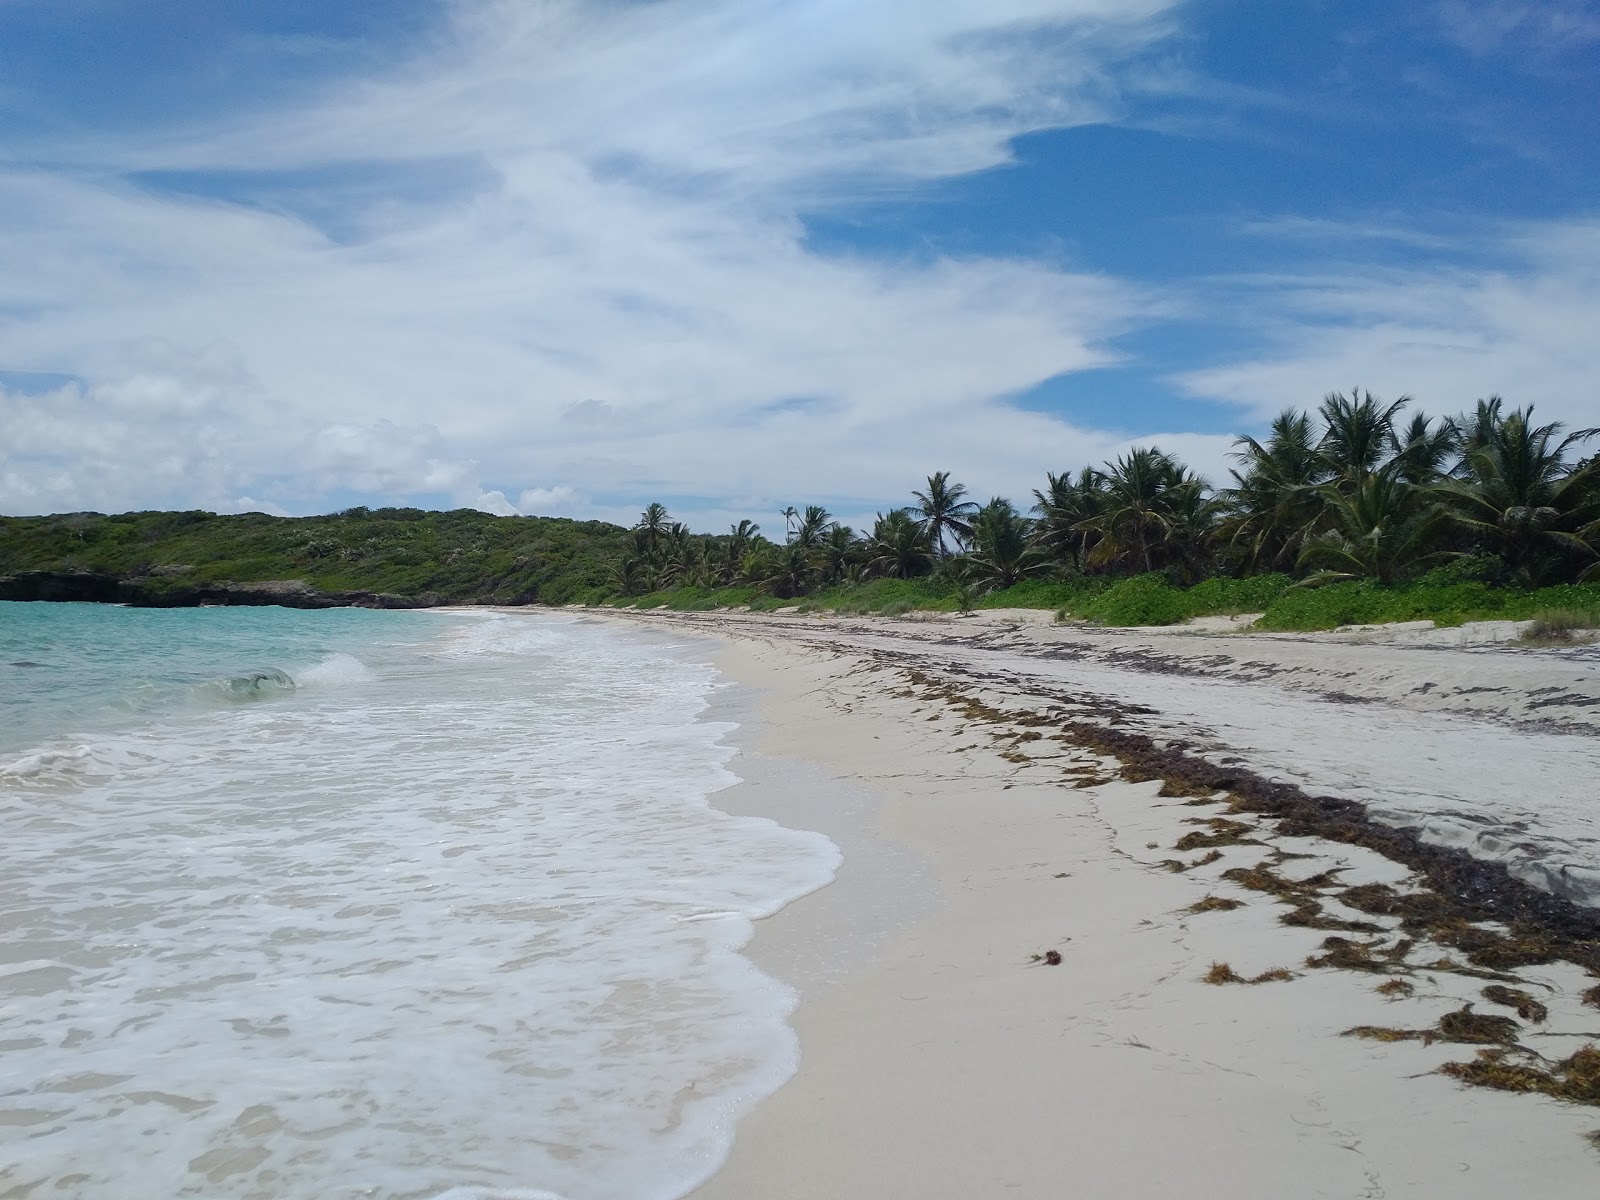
[{"x": 944, "y": 1062}]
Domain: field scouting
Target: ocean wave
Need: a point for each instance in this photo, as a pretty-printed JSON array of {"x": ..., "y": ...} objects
[{"x": 337, "y": 670}]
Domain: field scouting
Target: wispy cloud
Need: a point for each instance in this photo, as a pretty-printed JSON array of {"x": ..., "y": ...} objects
[
  {"x": 1520, "y": 324},
  {"x": 561, "y": 255},
  {"x": 1484, "y": 27}
]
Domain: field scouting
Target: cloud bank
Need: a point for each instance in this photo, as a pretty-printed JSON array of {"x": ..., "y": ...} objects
[
  {"x": 558, "y": 261},
  {"x": 562, "y": 256}
]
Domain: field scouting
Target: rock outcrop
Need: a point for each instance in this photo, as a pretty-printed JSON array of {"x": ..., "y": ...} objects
[{"x": 151, "y": 591}]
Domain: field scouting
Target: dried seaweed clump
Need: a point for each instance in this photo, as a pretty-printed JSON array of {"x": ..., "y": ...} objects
[
  {"x": 1223, "y": 833},
  {"x": 1221, "y": 972},
  {"x": 1527, "y": 1007},
  {"x": 1576, "y": 1078},
  {"x": 1214, "y": 904},
  {"x": 1177, "y": 866},
  {"x": 1376, "y": 957},
  {"x": 1463, "y": 1025}
]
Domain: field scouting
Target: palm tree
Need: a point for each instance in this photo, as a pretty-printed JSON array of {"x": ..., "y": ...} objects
[
  {"x": 1516, "y": 491},
  {"x": 1358, "y": 433},
  {"x": 899, "y": 546},
  {"x": 1136, "y": 521},
  {"x": 737, "y": 544},
  {"x": 813, "y": 525},
  {"x": 838, "y": 552},
  {"x": 789, "y": 515},
  {"x": 654, "y": 523},
  {"x": 1422, "y": 448},
  {"x": 941, "y": 510},
  {"x": 788, "y": 571},
  {"x": 1272, "y": 506},
  {"x": 1004, "y": 550},
  {"x": 1066, "y": 508},
  {"x": 628, "y": 575},
  {"x": 1381, "y": 525}
]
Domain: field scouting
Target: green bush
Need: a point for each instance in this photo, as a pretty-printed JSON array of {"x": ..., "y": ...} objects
[
  {"x": 1142, "y": 600},
  {"x": 1041, "y": 593},
  {"x": 1360, "y": 602},
  {"x": 1222, "y": 596}
]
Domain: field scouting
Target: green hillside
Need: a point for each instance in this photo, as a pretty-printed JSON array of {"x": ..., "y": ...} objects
[{"x": 439, "y": 557}]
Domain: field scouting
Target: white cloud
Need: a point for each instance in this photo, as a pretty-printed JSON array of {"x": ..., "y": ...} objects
[
  {"x": 496, "y": 504},
  {"x": 603, "y": 281},
  {"x": 1523, "y": 328},
  {"x": 560, "y": 500}
]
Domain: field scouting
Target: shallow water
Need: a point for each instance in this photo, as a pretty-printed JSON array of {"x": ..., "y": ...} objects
[{"x": 449, "y": 910}]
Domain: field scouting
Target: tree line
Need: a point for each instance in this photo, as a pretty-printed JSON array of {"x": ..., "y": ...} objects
[{"x": 1359, "y": 489}]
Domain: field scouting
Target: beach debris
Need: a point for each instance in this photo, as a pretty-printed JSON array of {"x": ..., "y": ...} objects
[
  {"x": 1050, "y": 958},
  {"x": 1178, "y": 866},
  {"x": 1396, "y": 989},
  {"x": 1214, "y": 904},
  {"x": 1378, "y": 957},
  {"x": 1463, "y": 1025},
  {"x": 1592, "y": 996},
  {"x": 1223, "y": 833},
  {"x": 1527, "y": 1007},
  {"x": 1575, "y": 1078},
  {"x": 1221, "y": 972}
]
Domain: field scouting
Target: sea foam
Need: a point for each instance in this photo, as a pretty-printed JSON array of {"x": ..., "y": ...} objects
[{"x": 453, "y": 917}]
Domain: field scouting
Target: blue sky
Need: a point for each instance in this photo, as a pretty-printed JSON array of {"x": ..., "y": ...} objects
[{"x": 572, "y": 257}]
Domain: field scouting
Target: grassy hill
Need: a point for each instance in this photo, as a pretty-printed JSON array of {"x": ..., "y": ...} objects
[{"x": 440, "y": 557}]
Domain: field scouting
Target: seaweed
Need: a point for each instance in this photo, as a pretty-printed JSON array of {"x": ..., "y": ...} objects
[
  {"x": 1214, "y": 904},
  {"x": 1223, "y": 833},
  {"x": 1526, "y": 1006},
  {"x": 1575, "y": 1078},
  {"x": 1460, "y": 888},
  {"x": 1303, "y": 896},
  {"x": 1374, "y": 957},
  {"x": 1463, "y": 1025},
  {"x": 1221, "y": 972}
]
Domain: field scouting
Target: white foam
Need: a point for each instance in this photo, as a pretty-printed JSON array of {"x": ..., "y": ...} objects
[
  {"x": 469, "y": 925},
  {"x": 337, "y": 670}
]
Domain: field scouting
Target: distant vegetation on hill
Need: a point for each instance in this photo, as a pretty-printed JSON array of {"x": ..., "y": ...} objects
[
  {"x": 1363, "y": 512},
  {"x": 432, "y": 557}
]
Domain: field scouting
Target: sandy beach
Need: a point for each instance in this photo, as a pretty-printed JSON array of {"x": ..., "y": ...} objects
[{"x": 1005, "y": 992}]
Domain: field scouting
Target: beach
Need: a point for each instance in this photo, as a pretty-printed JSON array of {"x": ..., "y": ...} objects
[{"x": 1004, "y": 992}]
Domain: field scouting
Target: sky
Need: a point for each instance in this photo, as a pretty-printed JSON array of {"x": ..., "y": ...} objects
[{"x": 567, "y": 257}]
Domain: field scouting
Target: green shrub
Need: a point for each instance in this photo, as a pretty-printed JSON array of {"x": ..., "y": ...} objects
[
  {"x": 1041, "y": 593},
  {"x": 1142, "y": 600},
  {"x": 1222, "y": 596}
]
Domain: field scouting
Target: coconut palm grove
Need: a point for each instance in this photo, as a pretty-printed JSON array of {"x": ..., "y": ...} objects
[{"x": 1363, "y": 510}]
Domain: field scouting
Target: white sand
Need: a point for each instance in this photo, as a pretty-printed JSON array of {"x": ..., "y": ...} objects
[
  {"x": 1494, "y": 751},
  {"x": 944, "y": 1064}
]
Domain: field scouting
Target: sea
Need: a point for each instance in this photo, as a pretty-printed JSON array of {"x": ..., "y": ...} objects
[{"x": 391, "y": 905}]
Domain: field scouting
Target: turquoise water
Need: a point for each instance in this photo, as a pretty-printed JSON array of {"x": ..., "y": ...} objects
[
  {"x": 91, "y": 665},
  {"x": 352, "y": 905}
]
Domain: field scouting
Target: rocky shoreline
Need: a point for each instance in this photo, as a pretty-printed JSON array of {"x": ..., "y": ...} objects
[{"x": 154, "y": 591}]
